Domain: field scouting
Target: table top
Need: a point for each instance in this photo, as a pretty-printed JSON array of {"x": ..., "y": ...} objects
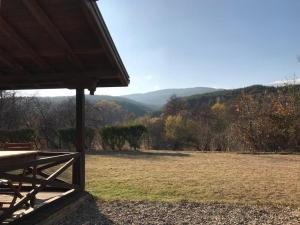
[{"x": 16, "y": 154}]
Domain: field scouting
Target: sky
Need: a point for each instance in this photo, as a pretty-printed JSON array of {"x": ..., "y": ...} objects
[{"x": 212, "y": 43}]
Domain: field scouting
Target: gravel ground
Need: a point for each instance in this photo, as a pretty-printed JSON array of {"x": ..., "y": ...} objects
[{"x": 138, "y": 213}]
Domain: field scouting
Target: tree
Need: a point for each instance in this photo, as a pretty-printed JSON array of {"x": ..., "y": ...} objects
[
  {"x": 177, "y": 131},
  {"x": 155, "y": 131},
  {"x": 270, "y": 123},
  {"x": 110, "y": 113},
  {"x": 174, "y": 106},
  {"x": 219, "y": 126}
]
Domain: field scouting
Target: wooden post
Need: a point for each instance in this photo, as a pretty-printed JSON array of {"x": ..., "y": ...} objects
[{"x": 79, "y": 165}]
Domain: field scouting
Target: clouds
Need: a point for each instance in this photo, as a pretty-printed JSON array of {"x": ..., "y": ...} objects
[{"x": 286, "y": 81}]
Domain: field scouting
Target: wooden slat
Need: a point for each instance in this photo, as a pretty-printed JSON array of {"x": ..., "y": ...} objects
[
  {"x": 21, "y": 43},
  {"x": 47, "y": 24}
]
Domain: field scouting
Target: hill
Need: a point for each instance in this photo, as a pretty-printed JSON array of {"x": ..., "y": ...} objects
[
  {"x": 229, "y": 96},
  {"x": 157, "y": 99},
  {"x": 139, "y": 109}
]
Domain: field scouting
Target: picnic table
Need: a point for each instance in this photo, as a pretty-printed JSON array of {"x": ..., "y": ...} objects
[{"x": 14, "y": 159}]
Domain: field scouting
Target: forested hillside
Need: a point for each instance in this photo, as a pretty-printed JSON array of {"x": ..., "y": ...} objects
[
  {"x": 255, "y": 118},
  {"x": 157, "y": 99},
  {"x": 137, "y": 108}
]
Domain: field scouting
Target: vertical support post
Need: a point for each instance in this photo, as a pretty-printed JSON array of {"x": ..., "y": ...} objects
[{"x": 79, "y": 165}]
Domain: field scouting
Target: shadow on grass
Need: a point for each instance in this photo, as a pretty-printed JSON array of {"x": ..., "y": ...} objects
[{"x": 139, "y": 154}]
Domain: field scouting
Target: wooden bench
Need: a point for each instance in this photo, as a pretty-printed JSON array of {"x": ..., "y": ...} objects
[{"x": 18, "y": 146}]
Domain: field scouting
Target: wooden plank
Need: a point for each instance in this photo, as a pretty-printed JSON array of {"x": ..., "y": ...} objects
[
  {"x": 87, "y": 79},
  {"x": 10, "y": 158},
  {"x": 45, "y": 34},
  {"x": 96, "y": 51},
  {"x": 14, "y": 165},
  {"x": 79, "y": 165},
  {"x": 42, "y": 18},
  {"x": 97, "y": 74},
  {"x": 7, "y": 59},
  {"x": 16, "y": 154},
  {"x": 10, "y": 33}
]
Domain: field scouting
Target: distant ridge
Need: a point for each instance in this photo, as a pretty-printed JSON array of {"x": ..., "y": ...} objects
[
  {"x": 142, "y": 104},
  {"x": 139, "y": 109},
  {"x": 230, "y": 96},
  {"x": 157, "y": 99}
]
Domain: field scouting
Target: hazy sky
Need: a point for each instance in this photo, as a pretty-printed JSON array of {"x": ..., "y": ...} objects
[{"x": 215, "y": 43}]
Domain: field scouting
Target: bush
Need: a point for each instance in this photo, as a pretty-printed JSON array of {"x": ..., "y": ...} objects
[
  {"x": 134, "y": 134},
  {"x": 115, "y": 137},
  {"x": 67, "y": 137},
  {"x": 18, "y": 136},
  {"x": 4, "y": 136}
]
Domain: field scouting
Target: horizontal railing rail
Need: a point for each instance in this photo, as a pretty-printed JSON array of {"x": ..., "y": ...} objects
[
  {"x": 38, "y": 175},
  {"x": 48, "y": 158}
]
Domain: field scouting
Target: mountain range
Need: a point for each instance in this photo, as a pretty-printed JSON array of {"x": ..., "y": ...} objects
[
  {"x": 157, "y": 99},
  {"x": 141, "y": 104}
]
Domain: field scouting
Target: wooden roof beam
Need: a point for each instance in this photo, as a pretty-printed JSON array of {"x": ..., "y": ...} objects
[
  {"x": 83, "y": 52},
  {"x": 21, "y": 43},
  {"x": 68, "y": 76},
  {"x": 7, "y": 59},
  {"x": 43, "y": 19}
]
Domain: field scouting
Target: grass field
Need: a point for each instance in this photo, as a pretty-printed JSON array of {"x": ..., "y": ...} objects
[{"x": 197, "y": 177}]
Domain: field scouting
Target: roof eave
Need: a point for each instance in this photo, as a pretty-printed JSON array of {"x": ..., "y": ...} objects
[{"x": 110, "y": 43}]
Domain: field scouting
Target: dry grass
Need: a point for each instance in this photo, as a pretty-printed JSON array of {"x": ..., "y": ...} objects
[{"x": 199, "y": 177}]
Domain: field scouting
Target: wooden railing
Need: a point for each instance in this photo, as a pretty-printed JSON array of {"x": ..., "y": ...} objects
[{"x": 37, "y": 178}]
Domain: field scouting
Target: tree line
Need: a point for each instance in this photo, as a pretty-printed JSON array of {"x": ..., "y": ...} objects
[
  {"x": 49, "y": 123},
  {"x": 252, "y": 119}
]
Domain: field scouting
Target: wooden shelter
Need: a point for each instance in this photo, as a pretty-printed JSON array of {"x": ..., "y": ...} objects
[{"x": 48, "y": 44}]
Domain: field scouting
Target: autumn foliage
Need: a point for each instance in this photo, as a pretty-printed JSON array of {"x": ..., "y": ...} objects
[{"x": 262, "y": 121}]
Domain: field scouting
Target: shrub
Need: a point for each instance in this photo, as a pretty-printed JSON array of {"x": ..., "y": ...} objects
[
  {"x": 67, "y": 137},
  {"x": 4, "y": 136},
  {"x": 115, "y": 137},
  {"x": 18, "y": 136},
  {"x": 134, "y": 134}
]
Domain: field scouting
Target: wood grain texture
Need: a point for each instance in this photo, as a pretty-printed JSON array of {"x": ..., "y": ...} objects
[{"x": 42, "y": 42}]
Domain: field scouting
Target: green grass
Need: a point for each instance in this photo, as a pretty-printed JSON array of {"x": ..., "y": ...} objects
[{"x": 197, "y": 177}]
